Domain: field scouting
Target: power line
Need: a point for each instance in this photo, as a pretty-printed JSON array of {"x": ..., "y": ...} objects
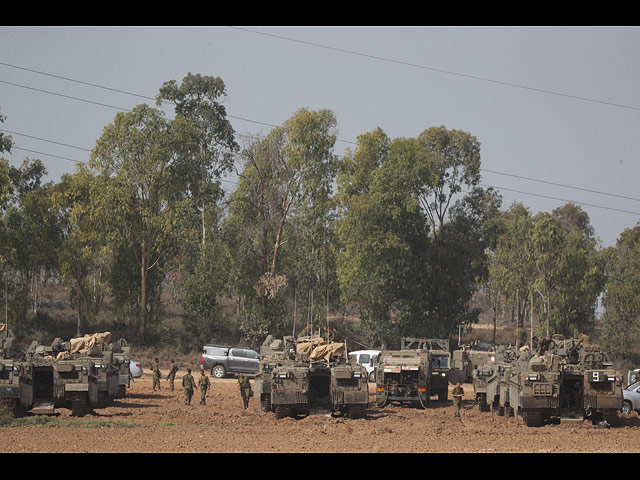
[
  {"x": 439, "y": 70},
  {"x": 266, "y": 124},
  {"x": 482, "y": 169}
]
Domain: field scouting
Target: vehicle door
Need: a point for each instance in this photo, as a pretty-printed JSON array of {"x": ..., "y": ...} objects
[
  {"x": 253, "y": 361},
  {"x": 237, "y": 360}
]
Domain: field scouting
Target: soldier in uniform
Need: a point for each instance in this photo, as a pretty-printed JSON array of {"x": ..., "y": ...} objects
[
  {"x": 457, "y": 394},
  {"x": 156, "y": 375},
  {"x": 188, "y": 383},
  {"x": 171, "y": 376},
  {"x": 204, "y": 383},
  {"x": 245, "y": 389}
]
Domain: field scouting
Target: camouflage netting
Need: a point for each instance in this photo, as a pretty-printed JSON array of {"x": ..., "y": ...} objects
[{"x": 83, "y": 344}]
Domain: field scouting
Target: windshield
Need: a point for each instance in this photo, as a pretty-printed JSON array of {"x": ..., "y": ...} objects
[
  {"x": 633, "y": 386},
  {"x": 440, "y": 361}
]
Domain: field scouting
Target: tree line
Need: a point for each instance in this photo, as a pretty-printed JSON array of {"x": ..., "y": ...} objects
[{"x": 397, "y": 232}]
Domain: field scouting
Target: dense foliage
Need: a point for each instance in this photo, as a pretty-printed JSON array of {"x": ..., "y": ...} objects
[{"x": 397, "y": 234}]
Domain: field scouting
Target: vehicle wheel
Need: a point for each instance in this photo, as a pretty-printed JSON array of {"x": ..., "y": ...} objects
[
  {"x": 626, "y": 408},
  {"x": 218, "y": 371}
]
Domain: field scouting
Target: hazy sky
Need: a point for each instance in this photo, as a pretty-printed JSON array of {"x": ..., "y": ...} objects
[{"x": 555, "y": 109}]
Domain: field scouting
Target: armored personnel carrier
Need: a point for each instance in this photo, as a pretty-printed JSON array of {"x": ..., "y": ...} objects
[
  {"x": 69, "y": 375},
  {"x": 404, "y": 376},
  {"x": 121, "y": 361},
  {"x": 570, "y": 381},
  {"x": 309, "y": 376},
  {"x": 273, "y": 352},
  {"x": 10, "y": 370},
  {"x": 488, "y": 378}
]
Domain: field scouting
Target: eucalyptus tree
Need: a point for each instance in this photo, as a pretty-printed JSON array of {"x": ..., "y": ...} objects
[
  {"x": 197, "y": 99},
  {"x": 277, "y": 172},
  {"x": 84, "y": 253},
  {"x": 379, "y": 230},
  {"x": 454, "y": 163},
  {"x": 622, "y": 293},
  {"x": 140, "y": 161}
]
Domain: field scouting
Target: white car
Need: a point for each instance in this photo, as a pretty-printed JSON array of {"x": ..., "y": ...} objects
[
  {"x": 135, "y": 368},
  {"x": 631, "y": 398},
  {"x": 368, "y": 359}
]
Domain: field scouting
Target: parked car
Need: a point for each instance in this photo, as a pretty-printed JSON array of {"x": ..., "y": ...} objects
[
  {"x": 369, "y": 360},
  {"x": 631, "y": 398},
  {"x": 135, "y": 368},
  {"x": 223, "y": 360}
]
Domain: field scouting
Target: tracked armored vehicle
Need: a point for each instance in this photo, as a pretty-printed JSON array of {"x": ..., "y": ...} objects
[
  {"x": 10, "y": 370},
  {"x": 488, "y": 378},
  {"x": 572, "y": 381},
  {"x": 121, "y": 361},
  {"x": 273, "y": 352},
  {"x": 404, "y": 376},
  {"x": 68, "y": 376},
  {"x": 310, "y": 376}
]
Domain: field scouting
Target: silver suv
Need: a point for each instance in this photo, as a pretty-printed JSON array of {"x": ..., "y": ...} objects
[{"x": 223, "y": 360}]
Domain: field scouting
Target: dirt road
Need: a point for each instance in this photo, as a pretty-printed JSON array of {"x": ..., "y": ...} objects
[{"x": 159, "y": 422}]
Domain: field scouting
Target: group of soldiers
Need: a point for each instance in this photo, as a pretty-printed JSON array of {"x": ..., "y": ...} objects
[
  {"x": 540, "y": 346},
  {"x": 189, "y": 383}
]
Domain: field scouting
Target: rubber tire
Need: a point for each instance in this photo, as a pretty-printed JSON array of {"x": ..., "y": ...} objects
[
  {"x": 218, "y": 371},
  {"x": 627, "y": 408}
]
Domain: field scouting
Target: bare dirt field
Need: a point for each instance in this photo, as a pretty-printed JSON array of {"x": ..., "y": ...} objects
[{"x": 160, "y": 422}]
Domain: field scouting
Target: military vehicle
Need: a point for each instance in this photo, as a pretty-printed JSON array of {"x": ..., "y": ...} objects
[
  {"x": 404, "y": 376},
  {"x": 96, "y": 347},
  {"x": 273, "y": 352},
  {"x": 571, "y": 381},
  {"x": 487, "y": 376},
  {"x": 467, "y": 358},
  {"x": 68, "y": 375},
  {"x": 121, "y": 361},
  {"x": 309, "y": 376},
  {"x": 440, "y": 362},
  {"x": 10, "y": 369}
]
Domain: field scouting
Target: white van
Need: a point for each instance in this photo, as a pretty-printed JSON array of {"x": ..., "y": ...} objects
[{"x": 368, "y": 359}]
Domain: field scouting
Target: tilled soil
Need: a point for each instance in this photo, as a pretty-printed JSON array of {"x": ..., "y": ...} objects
[{"x": 160, "y": 422}]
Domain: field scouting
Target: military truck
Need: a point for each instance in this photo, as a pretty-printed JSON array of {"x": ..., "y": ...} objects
[
  {"x": 309, "y": 377},
  {"x": 404, "y": 376},
  {"x": 571, "y": 381},
  {"x": 440, "y": 362}
]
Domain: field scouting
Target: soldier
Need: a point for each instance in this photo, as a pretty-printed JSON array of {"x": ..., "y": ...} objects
[
  {"x": 171, "y": 376},
  {"x": 204, "y": 383},
  {"x": 155, "y": 370},
  {"x": 245, "y": 389},
  {"x": 457, "y": 394},
  {"x": 188, "y": 383}
]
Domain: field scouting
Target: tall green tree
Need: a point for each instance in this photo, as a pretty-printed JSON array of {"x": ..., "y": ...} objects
[
  {"x": 197, "y": 99},
  {"x": 622, "y": 293},
  {"x": 140, "y": 158}
]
